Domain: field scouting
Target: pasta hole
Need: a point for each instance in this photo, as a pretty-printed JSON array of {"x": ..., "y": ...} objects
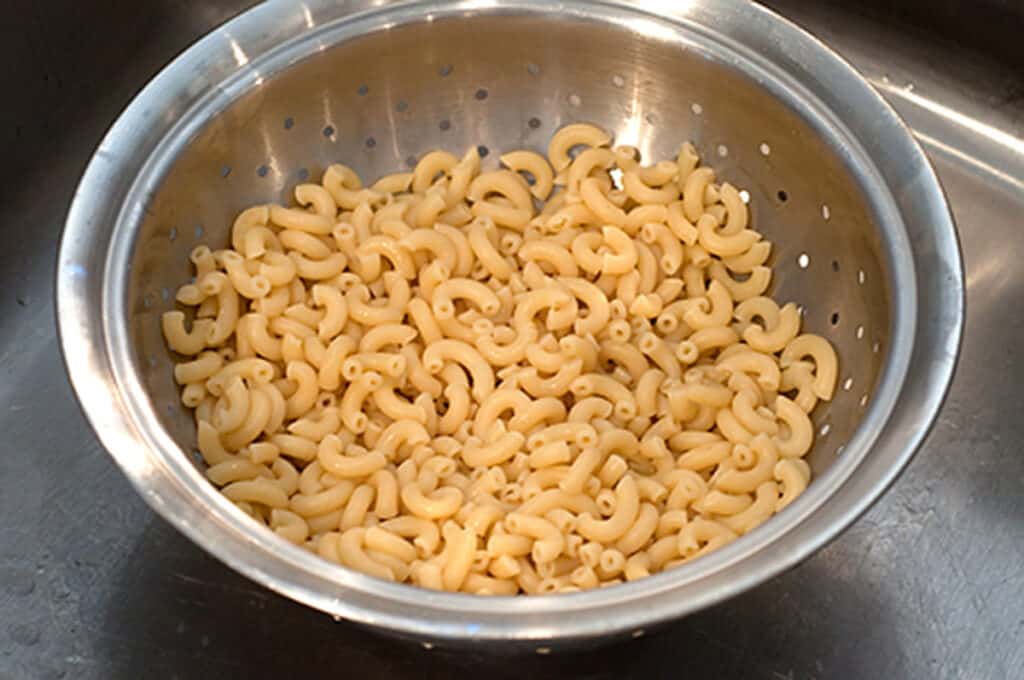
[
  {"x": 411, "y": 161},
  {"x": 402, "y": 106},
  {"x": 302, "y": 174},
  {"x": 533, "y": 69},
  {"x": 289, "y": 123},
  {"x": 480, "y": 94},
  {"x": 834, "y": 319},
  {"x": 199, "y": 231},
  {"x": 616, "y": 175},
  {"x": 329, "y": 131},
  {"x": 534, "y": 123},
  {"x": 262, "y": 171},
  {"x": 445, "y": 125},
  {"x": 370, "y": 142},
  {"x": 172, "y": 234},
  {"x": 783, "y": 196},
  {"x": 225, "y": 171},
  {"x": 483, "y": 151},
  {"x": 835, "y": 266},
  {"x": 445, "y": 70},
  {"x": 363, "y": 90}
]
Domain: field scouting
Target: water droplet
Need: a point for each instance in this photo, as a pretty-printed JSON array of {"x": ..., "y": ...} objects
[
  {"x": 17, "y": 581},
  {"x": 24, "y": 634}
]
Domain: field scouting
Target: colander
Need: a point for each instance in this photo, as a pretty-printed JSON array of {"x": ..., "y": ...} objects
[{"x": 863, "y": 242}]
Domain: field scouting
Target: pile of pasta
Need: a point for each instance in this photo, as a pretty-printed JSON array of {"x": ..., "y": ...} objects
[{"x": 552, "y": 376}]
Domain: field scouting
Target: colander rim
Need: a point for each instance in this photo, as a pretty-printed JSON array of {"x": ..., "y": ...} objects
[{"x": 96, "y": 364}]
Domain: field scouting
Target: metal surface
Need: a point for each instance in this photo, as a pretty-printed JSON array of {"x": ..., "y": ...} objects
[
  {"x": 93, "y": 585},
  {"x": 281, "y": 82}
]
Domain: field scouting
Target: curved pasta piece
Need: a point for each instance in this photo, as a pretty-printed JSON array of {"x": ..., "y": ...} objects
[
  {"x": 627, "y": 507},
  {"x": 534, "y": 164},
  {"x": 826, "y": 364},
  {"x": 479, "y": 294},
  {"x": 462, "y": 353},
  {"x": 569, "y": 136}
]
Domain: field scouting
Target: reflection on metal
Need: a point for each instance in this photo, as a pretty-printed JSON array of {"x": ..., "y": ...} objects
[
  {"x": 240, "y": 57},
  {"x": 977, "y": 127},
  {"x": 979, "y": 163}
]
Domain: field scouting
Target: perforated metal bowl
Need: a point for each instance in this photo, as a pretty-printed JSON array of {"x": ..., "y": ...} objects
[{"x": 863, "y": 236}]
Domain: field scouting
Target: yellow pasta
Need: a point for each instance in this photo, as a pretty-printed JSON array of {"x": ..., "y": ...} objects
[{"x": 435, "y": 381}]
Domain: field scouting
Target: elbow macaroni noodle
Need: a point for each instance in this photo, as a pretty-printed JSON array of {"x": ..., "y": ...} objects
[{"x": 432, "y": 381}]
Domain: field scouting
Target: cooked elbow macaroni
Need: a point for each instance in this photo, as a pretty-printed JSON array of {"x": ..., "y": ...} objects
[{"x": 431, "y": 381}]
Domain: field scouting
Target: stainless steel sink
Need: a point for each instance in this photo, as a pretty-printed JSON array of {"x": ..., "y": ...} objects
[{"x": 927, "y": 585}]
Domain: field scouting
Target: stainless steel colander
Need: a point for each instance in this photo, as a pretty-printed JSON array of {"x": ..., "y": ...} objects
[{"x": 863, "y": 237}]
